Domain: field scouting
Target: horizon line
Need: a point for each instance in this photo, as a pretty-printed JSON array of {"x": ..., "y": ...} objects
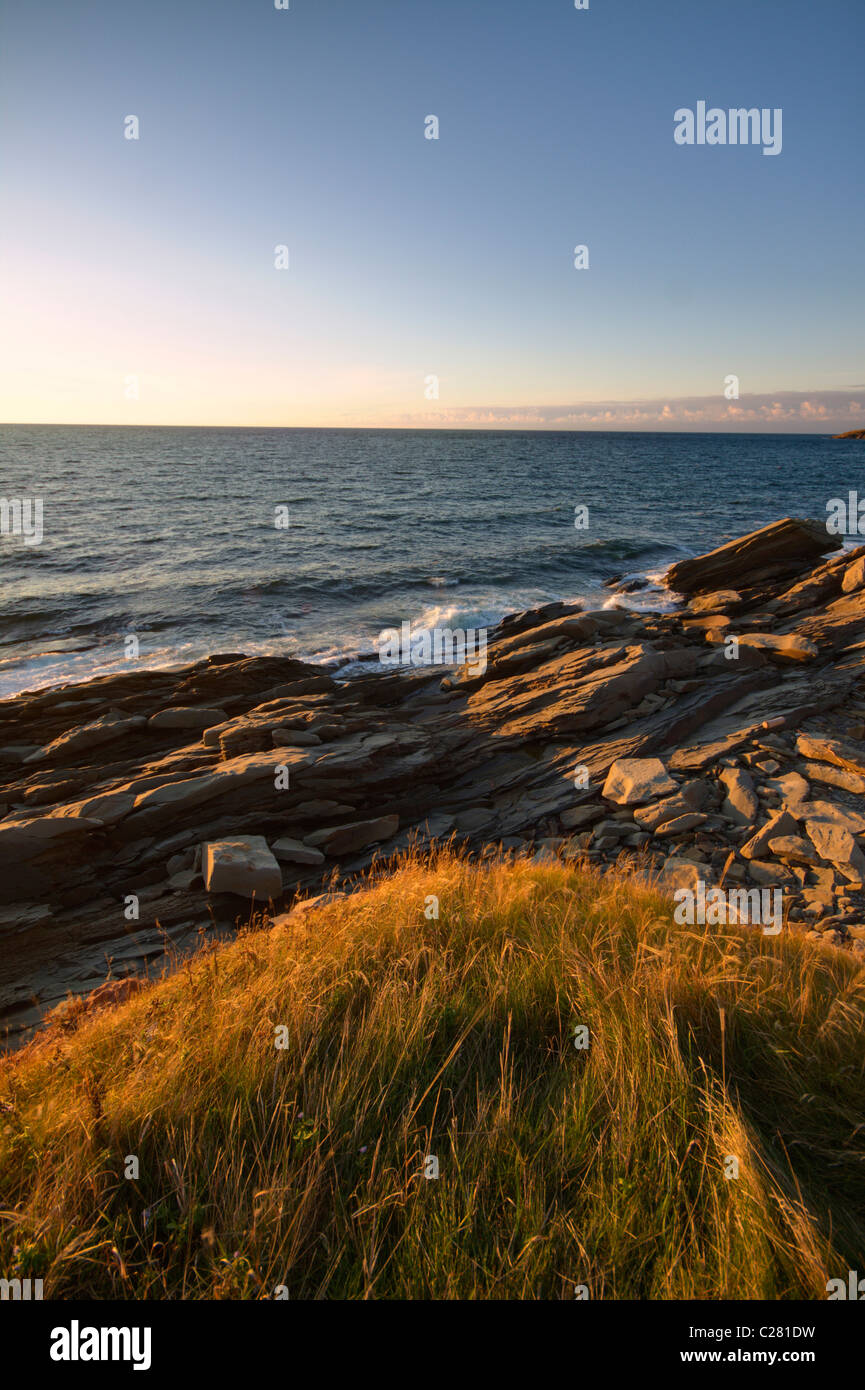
[{"x": 399, "y": 429}]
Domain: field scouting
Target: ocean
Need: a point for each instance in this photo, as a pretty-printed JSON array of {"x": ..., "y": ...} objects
[{"x": 310, "y": 542}]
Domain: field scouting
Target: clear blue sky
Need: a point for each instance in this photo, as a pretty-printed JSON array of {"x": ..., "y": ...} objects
[{"x": 153, "y": 259}]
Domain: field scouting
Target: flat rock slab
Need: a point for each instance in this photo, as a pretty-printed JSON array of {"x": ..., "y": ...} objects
[
  {"x": 631, "y": 781},
  {"x": 786, "y": 647},
  {"x": 789, "y": 544},
  {"x": 719, "y": 601},
  {"x": 835, "y": 815},
  {"x": 776, "y": 828},
  {"x": 690, "y": 797},
  {"x": 680, "y": 873},
  {"x": 105, "y": 730},
  {"x": 345, "y": 839},
  {"x": 679, "y": 824},
  {"x": 793, "y": 848},
  {"x": 835, "y": 751},
  {"x": 294, "y": 852},
  {"x": 792, "y": 789},
  {"x": 195, "y": 717},
  {"x": 305, "y": 906},
  {"x": 740, "y": 804},
  {"x": 835, "y": 844},
  {"x": 694, "y": 758},
  {"x": 245, "y": 867},
  {"x": 854, "y": 576},
  {"x": 836, "y": 777},
  {"x": 579, "y": 816}
]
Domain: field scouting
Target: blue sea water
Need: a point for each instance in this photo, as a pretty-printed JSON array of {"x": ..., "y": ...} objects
[{"x": 169, "y": 534}]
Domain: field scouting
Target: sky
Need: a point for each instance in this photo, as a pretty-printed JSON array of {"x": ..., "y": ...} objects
[{"x": 430, "y": 282}]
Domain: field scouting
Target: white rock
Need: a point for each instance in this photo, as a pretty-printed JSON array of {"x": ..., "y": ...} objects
[
  {"x": 633, "y": 780},
  {"x": 242, "y": 866}
]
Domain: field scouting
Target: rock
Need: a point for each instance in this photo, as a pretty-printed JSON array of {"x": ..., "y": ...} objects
[
  {"x": 107, "y": 809},
  {"x": 579, "y": 627},
  {"x": 717, "y": 622},
  {"x": 25, "y": 839},
  {"x": 344, "y": 839},
  {"x": 704, "y": 754},
  {"x": 315, "y": 810},
  {"x": 14, "y": 753},
  {"x": 632, "y": 780},
  {"x": 769, "y": 765},
  {"x": 294, "y": 852},
  {"x": 835, "y": 815},
  {"x": 196, "y": 717},
  {"x": 835, "y": 845},
  {"x": 179, "y": 863},
  {"x": 294, "y": 738},
  {"x": 18, "y": 918},
  {"x": 300, "y": 909},
  {"x": 740, "y": 805},
  {"x": 793, "y": 848},
  {"x": 227, "y": 778},
  {"x": 679, "y": 824},
  {"x": 677, "y": 873},
  {"x": 183, "y": 880},
  {"x": 775, "y": 828},
  {"x": 475, "y": 818},
  {"x": 789, "y": 647},
  {"x": 854, "y": 576},
  {"x": 544, "y": 855},
  {"x": 581, "y": 815},
  {"x": 105, "y": 730},
  {"x": 835, "y": 625},
  {"x": 719, "y": 601},
  {"x": 691, "y": 796},
  {"x": 834, "y": 751},
  {"x": 766, "y": 873},
  {"x": 836, "y": 777},
  {"x": 244, "y": 867},
  {"x": 791, "y": 788},
  {"x": 575, "y": 692},
  {"x": 783, "y": 547}
]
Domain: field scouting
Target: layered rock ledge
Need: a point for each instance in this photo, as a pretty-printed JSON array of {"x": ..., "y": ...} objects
[{"x": 144, "y": 812}]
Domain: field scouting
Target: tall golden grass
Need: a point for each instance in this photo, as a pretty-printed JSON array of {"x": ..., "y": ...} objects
[{"x": 299, "y": 1171}]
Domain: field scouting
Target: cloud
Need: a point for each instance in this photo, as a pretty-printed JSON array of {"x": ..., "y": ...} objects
[{"x": 824, "y": 412}]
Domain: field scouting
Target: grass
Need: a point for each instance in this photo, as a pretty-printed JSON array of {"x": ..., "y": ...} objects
[{"x": 302, "y": 1168}]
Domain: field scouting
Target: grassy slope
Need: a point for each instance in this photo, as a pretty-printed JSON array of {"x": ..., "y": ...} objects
[{"x": 303, "y": 1167}]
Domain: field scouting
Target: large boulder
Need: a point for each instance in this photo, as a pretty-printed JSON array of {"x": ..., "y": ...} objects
[
  {"x": 245, "y": 867},
  {"x": 784, "y": 547}
]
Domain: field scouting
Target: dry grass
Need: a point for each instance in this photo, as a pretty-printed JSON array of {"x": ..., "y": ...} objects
[{"x": 303, "y": 1167}]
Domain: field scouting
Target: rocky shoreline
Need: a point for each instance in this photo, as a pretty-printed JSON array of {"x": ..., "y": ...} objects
[{"x": 139, "y": 813}]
